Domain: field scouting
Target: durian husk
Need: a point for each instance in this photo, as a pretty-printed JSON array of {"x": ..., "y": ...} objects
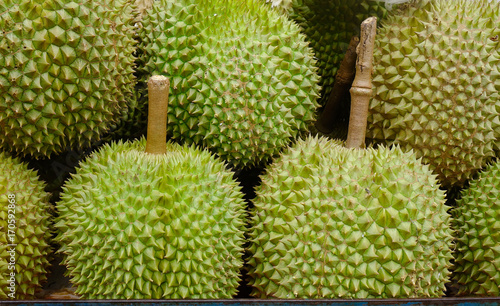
[
  {"x": 160, "y": 221},
  {"x": 328, "y": 26},
  {"x": 436, "y": 85},
  {"x": 477, "y": 226},
  {"x": 337, "y": 222},
  {"x": 66, "y": 73},
  {"x": 30, "y": 237},
  {"x": 244, "y": 79}
]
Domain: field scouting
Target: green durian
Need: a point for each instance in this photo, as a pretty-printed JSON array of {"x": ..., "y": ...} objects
[
  {"x": 132, "y": 124},
  {"x": 332, "y": 222},
  {"x": 329, "y": 25},
  {"x": 66, "y": 72},
  {"x": 477, "y": 225},
  {"x": 24, "y": 230},
  {"x": 143, "y": 226},
  {"x": 437, "y": 87},
  {"x": 244, "y": 81},
  {"x": 143, "y": 5},
  {"x": 133, "y": 120}
]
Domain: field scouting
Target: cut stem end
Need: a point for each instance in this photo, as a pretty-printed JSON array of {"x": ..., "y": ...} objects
[{"x": 158, "y": 90}]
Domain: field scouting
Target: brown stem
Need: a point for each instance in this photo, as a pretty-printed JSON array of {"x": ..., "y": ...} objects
[
  {"x": 158, "y": 87},
  {"x": 340, "y": 91},
  {"x": 361, "y": 90}
]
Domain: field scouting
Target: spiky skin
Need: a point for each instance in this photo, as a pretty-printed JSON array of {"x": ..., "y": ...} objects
[
  {"x": 137, "y": 225},
  {"x": 496, "y": 144},
  {"x": 133, "y": 123},
  {"x": 143, "y": 6},
  {"x": 66, "y": 72},
  {"x": 243, "y": 80},
  {"x": 436, "y": 85},
  {"x": 24, "y": 228},
  {"x": 132, "y": 116},
  {"x": 329, "y": 25},
  {"x": 331, "y": 222},
  {"x": 477, "y": 225}
]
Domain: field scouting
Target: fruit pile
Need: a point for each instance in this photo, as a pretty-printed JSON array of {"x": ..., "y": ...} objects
[{"x": 237, "y": 191}]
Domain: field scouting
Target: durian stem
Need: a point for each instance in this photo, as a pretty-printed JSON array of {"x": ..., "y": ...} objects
[
  {"x": 158, "y": 88},
  {"x": 340, "y": 91},
  {"x": 361, "y": 90}
]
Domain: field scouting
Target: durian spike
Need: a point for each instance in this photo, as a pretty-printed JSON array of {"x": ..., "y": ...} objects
[
  {"x": 143, "y": 6},
  {"x": 158, "y": 89},
  {"x": 340, "y": 91},
  {"x": 361, "y": 90}
]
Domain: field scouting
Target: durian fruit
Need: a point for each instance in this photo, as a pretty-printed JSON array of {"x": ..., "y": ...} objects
[
  {"x": 332, "y": 222},
  {"x": 244, "y": 79},
  {"x": 437, "y": 86},
  {"x": 477, "y": 225},
  {"x": 24, "y": 230},
  {"x": 66, "y": 72},
  {"x": 329, "y": 25},
  {"x": 132, "y": 119},
  {"x": 337, "y": 222},
  {"x": 135, "y": 224}
]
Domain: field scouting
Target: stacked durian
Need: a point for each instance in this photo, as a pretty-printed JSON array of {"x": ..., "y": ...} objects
[
  {"x": 328, "y": 221},
  {"x": 163, "y": 221},
  {"x": 67, "y": 77},
  {"x": 244, "y": 92},
  {"x": 66, "y": 74},
  {"x": 437, "y": 93},
  {"x": 328, "y": 26},
  {"x": 336, "y": 222}
]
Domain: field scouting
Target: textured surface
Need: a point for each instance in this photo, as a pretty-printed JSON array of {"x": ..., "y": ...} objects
[
  {"x": 477, "y": 224},
  {"x": 491, "y": 301},
  {"x": 66, "y": 72},
  {"x": 242, "y": 76},
  {"x": 330, "y": 222},
  {"x": 136, "y": 225},
  {"x": 30, "y": 233},
  {"x": 436, "y": 85},
  {"x": 329, "y": 25}
]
